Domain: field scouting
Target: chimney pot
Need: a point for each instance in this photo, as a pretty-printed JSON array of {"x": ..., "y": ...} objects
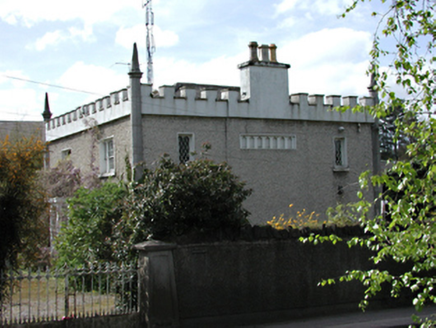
[
  {"x": 273, "y": 53},
  {"x": 264, "y": 55},
  {"x": 253, "y": 51}
]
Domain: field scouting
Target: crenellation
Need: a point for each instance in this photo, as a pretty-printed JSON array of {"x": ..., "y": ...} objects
[
  {"x": 103, "y": 110},
  {"x": 99, "y": 104},
  {"x": 210, "y": 95},
  {"x": 333, "y": 100},
  {"x": 167, "y": 91},
  {"x": 300, "y": 99},
  {"x": 366, "y": 101},
  {"x": 107, "y": 101},
  {"x": 125, "y": 94},
  {"x": 115, "y": 98},
  {"x": 188, "y": 93},
  {"x": 350, "y": 101},
  {"x": 317, "y": 101},
  {"x": 207, "y": 101}
]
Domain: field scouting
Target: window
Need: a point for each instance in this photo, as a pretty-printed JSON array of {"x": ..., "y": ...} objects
[
  {"x": 107, "y": 157},
  {"x": 65, "y": 153},
  {"x": 340, "y": 153},
  {"x": 267, "y": 141},
  {"x": 186, "y": 147}
]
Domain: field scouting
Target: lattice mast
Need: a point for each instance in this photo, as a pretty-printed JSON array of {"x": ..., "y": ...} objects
[{"x": 150, "y": 47}]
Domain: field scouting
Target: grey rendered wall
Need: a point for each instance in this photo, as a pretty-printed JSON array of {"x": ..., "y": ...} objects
[
  {"x": 81, "y": 145},
  {"x": 303, "y": 177}
]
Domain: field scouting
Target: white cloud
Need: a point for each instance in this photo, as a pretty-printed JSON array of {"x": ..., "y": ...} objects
[
  {"x": 222, "y": 71},
  {"x": 58, "y": 36},
  {"x": 20, "y": 104},
  {"x": 85, "y": 34},
  {"x": 91, "y": 78},
  {"x": 50, "y": 38},
  {"x": 285, "y": 6},
  {"x": 327, "y": 59},
  {"x": 90, "y": 12},
  {"x": 14, "y": 77},
  {"x": 331, "y": 7},
  {"x": 323, "y": 7},
  {"x": 127, "y": 36}
]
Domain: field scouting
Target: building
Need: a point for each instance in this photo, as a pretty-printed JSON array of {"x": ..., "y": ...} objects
[
  {"x": 289, "y": 148},
  {"x": 16, "y": 130}
]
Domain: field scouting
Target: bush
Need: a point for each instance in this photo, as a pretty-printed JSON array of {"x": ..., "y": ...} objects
[
  {"x": 174, "y": 200},
  {"x": 87, "y": 238}
]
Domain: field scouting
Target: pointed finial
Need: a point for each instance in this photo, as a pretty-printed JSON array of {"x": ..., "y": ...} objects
[
  {"x": 46, "y": 114},
  {"x": 134, "y": 67},
  {"x": 371, "y": 88}
]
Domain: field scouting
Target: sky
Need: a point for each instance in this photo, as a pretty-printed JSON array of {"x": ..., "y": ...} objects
[{"x": 78, "y": 51}]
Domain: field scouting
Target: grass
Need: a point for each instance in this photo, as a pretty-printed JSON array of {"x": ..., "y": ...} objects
[{"x": 46, "y": 298}]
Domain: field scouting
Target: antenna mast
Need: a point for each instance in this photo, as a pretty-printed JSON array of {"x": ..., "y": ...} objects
[{"x": 149, "y": 23}]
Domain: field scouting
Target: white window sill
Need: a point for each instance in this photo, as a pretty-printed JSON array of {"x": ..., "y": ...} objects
[
  {"x": 341, "y": 169},
  {"x": 107, "y": 175}
]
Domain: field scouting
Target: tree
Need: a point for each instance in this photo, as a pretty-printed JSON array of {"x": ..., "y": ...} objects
[
  {"x": 406, "y": 231},
  {"x": 86, "y": 239},
  {"x": 179, "y": 199},
  {"x": 23, "y": 228}
]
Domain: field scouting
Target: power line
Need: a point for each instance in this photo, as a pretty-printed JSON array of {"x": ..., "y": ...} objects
[{"x": 50, "y": 85}]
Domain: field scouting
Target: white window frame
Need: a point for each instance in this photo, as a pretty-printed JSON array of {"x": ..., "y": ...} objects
[
  {"x": 106, "y": 169},
  {"x": 65, "y": 153},
  {"x": 343, "y": 164},
  {"x": 191, "y": 146}
]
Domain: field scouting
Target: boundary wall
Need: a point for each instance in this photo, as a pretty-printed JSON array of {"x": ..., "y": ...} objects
[{"x": 230, "y": 283}]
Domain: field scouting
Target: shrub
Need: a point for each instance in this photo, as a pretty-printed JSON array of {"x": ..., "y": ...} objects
[
  {"x": 87, "y": 237},
  {"x": 174, "y": 200},
  {"x": 301, "y": 220}
]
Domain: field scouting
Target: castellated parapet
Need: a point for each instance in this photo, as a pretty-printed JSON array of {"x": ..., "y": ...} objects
[
  {"x": 192, "y": 101},
  {"x": 263, "y": 94},
  {"x": 103, "y": 110}
]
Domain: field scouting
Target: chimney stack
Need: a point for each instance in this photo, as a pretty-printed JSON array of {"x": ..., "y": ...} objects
[{"x": 264, "y": 81}]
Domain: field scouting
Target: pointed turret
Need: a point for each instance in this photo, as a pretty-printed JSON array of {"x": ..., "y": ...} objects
[
  {"x": 135, "y": 71},
  {"x": 46, "y": 114},
  {"x": 135, "y": 75}
]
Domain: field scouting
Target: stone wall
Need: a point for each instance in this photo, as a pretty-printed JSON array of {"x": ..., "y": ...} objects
[{"x": 244, "y": 282}]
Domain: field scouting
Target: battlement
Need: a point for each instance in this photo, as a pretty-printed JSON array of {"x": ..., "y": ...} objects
[
  {"x": 102, "y": 110},
  {"x": 206, "y": 101}
]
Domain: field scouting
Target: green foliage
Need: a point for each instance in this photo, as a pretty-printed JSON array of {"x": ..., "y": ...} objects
[
  {"x": 405, "y": 231},
  {"x": 175, "y": 200},
  {"x": 93, "y": 213},
  {"x": 342, "y": 215},
  {"x": 23, "y": 230}
]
